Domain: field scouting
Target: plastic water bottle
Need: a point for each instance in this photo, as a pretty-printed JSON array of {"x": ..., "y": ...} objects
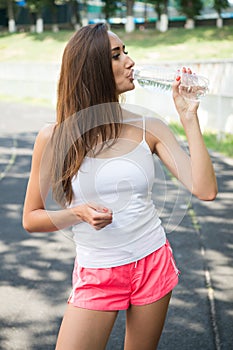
[{"x": 193, "y": 87}]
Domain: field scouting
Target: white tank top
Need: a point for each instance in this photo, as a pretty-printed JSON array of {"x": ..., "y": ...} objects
[{"x": 123, "y": 184}]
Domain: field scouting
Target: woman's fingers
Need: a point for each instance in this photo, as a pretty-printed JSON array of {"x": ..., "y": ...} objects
[
  {"x": 186, "y": 70},
  {"x": 95, "y": 215}
]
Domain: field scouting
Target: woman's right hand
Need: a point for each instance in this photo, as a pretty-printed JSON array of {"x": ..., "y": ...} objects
[
  {"x": 186, "y": 109},
  {"x": 94, "y": 214}
]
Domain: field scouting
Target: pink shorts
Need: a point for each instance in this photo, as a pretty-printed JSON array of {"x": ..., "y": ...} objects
[{"x": 116, "y": 288}]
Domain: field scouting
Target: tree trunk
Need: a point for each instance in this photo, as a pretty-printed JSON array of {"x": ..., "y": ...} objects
[
  {"x": 190, "y": 23},
  {"x": 11, "y": 19},
  {"x": 32, "y": 21},
  {"x": 75, "y": 17},
  {"x": 130, "y": 25},
  {"x": 219, "y": 22},
  {"x": 84, "y": 14},
  {"x": 161, "y": 8},
  {"x": 39, "y": 23},
  {"x": 145, "y": 14},
  {"x": 55, "y": 27},
  {"x": 163, "y": 27}
]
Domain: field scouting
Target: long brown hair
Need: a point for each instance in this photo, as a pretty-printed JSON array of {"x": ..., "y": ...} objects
[{"x": 87, "y": 105}]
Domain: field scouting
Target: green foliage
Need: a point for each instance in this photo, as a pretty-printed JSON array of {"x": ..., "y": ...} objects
[
  {"x": 110, "y": 8},
  {"x": 222, "y": 143},
  {"x": 129, "y": 5},
  {"x": 190, "y": 8},
  {"x": 34, "y": 6},
  {"x": 160, "y": 6},
  {"x": 3, "y": 4},
  {"x": 220, "y": 5}
]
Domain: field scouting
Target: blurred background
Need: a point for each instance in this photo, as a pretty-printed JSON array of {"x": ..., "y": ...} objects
[
  {"x": 196, "y": 34},
  {"x": 36, "y": 269},
  {"x": 60, "y": 14}
]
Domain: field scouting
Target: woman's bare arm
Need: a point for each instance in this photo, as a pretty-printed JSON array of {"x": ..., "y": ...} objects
[
  {"x": 35, "y": 217},
  {"x": 195, "y": 170}
]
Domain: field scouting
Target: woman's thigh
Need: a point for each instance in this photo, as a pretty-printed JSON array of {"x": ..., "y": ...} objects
[
  {"x": 83, "y": 329},
  {"x": 144, "y": 324}
]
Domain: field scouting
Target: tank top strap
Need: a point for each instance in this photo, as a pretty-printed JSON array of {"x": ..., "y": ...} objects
[{"x": 144, "y": 128}]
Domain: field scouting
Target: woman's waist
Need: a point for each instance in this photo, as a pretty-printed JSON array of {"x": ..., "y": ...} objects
[
  {"x": 119, "y": 234},
  {"x": 109, "y": 252}
]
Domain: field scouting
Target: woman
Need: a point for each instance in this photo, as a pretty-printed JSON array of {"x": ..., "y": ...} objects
[{"x": 98, "y": 161}]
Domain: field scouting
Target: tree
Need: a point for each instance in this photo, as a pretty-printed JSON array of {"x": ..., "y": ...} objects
[
  {"x": 129, "y": 26},
  {"x": 35, "y": 11},
  {"x": 110, "y": 8},
  {"x": 220, "y": 5},
  {"x": 190, "y": 8},
  {"x": 161, "y": 8},
  {"x": 84, "y": 13},
  {"x": 9, "y": 6},
  {"x": 52, "y": 5},
  {"x": 75, "y": 13}
]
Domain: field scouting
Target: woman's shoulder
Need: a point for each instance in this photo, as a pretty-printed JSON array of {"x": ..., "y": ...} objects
[
  {"x": 46, "y": 132},
  {"x": 44, "y": 136},
  {"x": 138, "y": 114},
  {"x": 155, "y": 123},
  {"x": 152, "y": 122}
]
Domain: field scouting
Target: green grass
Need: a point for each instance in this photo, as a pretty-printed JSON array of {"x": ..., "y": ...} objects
[
  {"x": 27, "y": 100},
  {"x": 24, "y": 47},
  {"x": 181, "y": 45},
  {"x": 146, "y": 46},
  {"x": 222, "y": 143}
]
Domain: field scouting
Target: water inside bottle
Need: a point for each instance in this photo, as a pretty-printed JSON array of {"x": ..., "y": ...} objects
[
  {"x": 153, "y": 79},
  {"x": 193, "y": 87},
  {"x": 152, "y": 84}
]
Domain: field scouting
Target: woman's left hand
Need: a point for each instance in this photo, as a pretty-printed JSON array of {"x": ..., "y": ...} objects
[{"x": 185, "y": 108}]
